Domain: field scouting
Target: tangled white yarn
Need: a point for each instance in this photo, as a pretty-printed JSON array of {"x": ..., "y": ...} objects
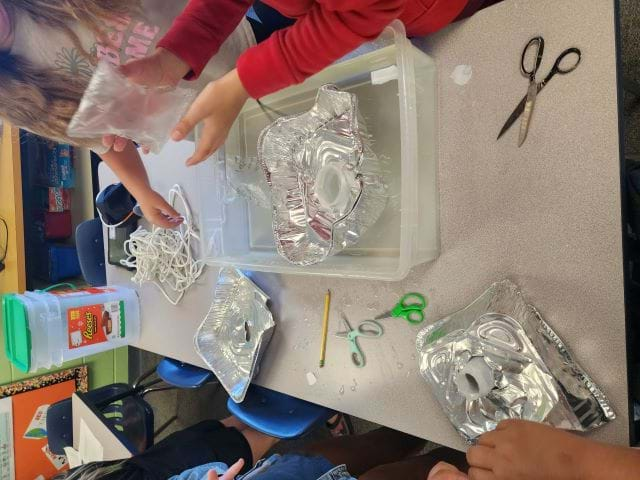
[{"x": 165, "y": 257}]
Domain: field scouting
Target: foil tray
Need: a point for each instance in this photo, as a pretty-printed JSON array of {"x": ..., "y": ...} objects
[
  {"x": 498, "y": 359},
  {"x": 236, "y": 332},
  {"x": 327, "y": 185}
]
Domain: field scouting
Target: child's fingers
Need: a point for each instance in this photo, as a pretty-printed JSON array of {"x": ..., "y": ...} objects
[
  {"x": 481, "y": 457},
  {"x": 171, "y": 212},
  {"x": 140, "y": 71},
  {"x": 119, "y": 144},
  {"x": 212, "y": 475},
  {"x": 107, "y": 140},
  {"x": 185, "y": 126},
  {"x": 198, "y": 111},
  {"x": 480, "y": 474},
  {"x": 234, "y": 470},
  {"x": 207, "y": 144},
  {"x": 439, "y": 470},
  {"x": 159, "y": 219},
  {"x": 204, "y": 151},
  {"x": 489, "y": 439}
]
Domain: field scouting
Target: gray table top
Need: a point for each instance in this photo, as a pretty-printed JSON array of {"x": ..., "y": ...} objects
[{"x": 546, "y": 215}]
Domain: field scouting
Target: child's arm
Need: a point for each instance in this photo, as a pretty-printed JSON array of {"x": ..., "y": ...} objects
[
  {"x": 328, "y": 30},
  {"x": 197, "y": 34},
  {"x": 127, "y": 165},
  {"x": 519, "y": 450}
]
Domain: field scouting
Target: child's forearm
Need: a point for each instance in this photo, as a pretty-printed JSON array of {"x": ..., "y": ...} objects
[
  {"x": 205, "y": 24},
  {"x": 600, "y": 461},
  {"x": 128, "y": 167}
]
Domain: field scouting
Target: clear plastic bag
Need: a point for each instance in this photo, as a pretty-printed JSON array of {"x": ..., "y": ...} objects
[{"x": 114, "y": 105}]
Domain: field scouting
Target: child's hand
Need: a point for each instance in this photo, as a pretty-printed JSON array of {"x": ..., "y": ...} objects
[
  {"x": 218, "y": 106},
  {"x": 230, "y": 474},
  {"x": 445, "y": 471},
  {"x": 158, "y": 211},
  {"x": 161, "y": 68},
  {"x": 519, "y": 450}
]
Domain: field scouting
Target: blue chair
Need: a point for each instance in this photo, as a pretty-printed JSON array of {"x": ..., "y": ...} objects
[
  {"x": 277, "y": 414},
  {"x": 183, "y": 375},
  {"x": 90, "y": 246},
  {"x": 123, "y": 408},
  {"x": 173, "y": 374}
]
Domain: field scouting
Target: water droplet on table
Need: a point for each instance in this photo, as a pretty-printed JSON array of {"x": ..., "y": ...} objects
[
  {"x": 341, "y": 391},
  {"x": 354, "y": 386},
  {"x": 400, "y": 365}
]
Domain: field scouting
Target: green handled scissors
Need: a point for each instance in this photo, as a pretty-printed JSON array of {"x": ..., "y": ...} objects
[
  {"x": 410, "y": 307},
  {"x": 367, "y": 329}
]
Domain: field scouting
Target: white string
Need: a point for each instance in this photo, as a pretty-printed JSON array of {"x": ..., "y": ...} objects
[{"x": 165, "y": 257}]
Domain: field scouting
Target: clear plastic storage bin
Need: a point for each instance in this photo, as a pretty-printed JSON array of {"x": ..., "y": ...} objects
[{"x": 396, "y": 88}]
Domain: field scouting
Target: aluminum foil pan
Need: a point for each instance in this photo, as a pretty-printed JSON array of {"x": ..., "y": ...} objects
[
  {"x": 236, "y": 332},
  {"x": 326, "y": 183},
  {"x": 498, "y": 359}
]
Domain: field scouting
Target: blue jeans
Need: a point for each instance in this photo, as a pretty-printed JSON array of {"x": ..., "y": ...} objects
[{"x": 296, "y": 467}]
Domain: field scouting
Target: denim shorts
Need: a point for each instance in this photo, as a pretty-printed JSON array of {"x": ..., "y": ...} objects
[{"x": 296, "y": 467}]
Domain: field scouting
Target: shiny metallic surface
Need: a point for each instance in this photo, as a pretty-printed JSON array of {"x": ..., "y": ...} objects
[
  {"x": 245, "y": 177},
  {"x": 235, "y": 333},
  {"x": 525, "y": 368},
  {"x": 294, "y": 153},
  {"x": 532, "y": 94}
]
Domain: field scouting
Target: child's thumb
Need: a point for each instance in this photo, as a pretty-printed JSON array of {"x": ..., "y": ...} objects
[{"x": 212, "y": 475}]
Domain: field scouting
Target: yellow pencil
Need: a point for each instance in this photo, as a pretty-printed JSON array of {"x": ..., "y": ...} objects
[{"x": 325, "y": 327}]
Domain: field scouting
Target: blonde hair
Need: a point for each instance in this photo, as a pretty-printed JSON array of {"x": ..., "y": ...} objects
[{"x": 43, "y": 101}]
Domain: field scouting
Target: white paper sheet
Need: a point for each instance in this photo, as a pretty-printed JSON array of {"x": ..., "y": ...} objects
[
  {"x": 73, "y": 457},
  {"x": 91, "y": 450}
]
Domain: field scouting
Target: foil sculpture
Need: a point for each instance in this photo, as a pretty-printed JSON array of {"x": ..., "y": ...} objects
[
  {"x": 326, "y": 183},
  {"x": 236, "y": 332},
  {"x": 498, "y": 359}
]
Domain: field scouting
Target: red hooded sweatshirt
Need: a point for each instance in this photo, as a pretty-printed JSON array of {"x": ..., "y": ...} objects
[{"x": 324, "y": 31}]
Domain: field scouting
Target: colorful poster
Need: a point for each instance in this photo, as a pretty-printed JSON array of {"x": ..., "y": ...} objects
[{"x": 24, "y": 450}]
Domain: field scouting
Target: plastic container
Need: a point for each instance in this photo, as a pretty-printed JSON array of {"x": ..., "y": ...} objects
[
  {"x": 46, "y": 329},
  {"x": 396, "y": 88}
]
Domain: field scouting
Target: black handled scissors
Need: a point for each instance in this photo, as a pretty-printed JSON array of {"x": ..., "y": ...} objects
[{"x": 566, "y": 62}]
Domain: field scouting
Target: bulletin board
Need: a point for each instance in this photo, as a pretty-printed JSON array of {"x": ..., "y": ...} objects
[{"x": 24, "y": 452}]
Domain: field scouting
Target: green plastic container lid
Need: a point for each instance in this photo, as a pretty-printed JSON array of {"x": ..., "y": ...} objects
[{"x": 17, "y": 336}]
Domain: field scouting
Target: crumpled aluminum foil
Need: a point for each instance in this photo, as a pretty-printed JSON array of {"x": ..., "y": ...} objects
[
  {"x": 326, "y": 183},
  {"x": 246, "y": 180},
  {"x": 236, "y": 332},
  {"x": 498, "y": 359}
]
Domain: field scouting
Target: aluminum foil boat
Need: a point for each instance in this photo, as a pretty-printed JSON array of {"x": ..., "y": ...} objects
[
  {"x": 498, "y": 359},
  {"x": 326, "y": 183},
  {"x": 236, "y": 332}
]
